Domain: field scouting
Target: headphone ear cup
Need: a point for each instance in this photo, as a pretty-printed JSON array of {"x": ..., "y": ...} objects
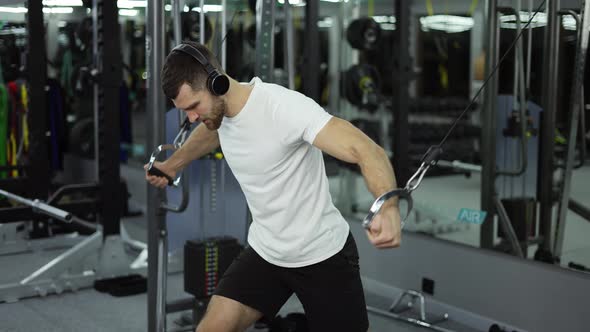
[{"x": 218, "y": 84}]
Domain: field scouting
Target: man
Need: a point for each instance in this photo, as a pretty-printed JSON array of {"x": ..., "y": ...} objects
[{"x": 272, "y": 139}]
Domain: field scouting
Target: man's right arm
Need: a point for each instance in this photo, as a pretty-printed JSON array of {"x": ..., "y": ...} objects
[{"x": 200, "y": 142}]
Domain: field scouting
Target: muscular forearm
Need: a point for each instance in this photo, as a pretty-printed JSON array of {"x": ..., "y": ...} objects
[
  {"x": 199, "y": 143},
  {"x": 377, "y": 171}
]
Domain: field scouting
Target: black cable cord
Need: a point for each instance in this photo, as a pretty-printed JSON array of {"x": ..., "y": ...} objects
[
  {"x": 491, "y": 74},
  {"x": 236, "y": 12}
]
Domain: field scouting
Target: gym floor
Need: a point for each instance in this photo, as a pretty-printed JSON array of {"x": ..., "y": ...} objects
[{"x": 89, "y": 310}]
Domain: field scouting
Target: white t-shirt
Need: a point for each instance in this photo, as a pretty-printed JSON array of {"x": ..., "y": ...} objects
[{"x": 268, "y": 146}]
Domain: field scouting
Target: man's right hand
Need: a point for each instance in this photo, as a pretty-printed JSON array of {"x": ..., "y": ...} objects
[{"x": 159, "y": 181}]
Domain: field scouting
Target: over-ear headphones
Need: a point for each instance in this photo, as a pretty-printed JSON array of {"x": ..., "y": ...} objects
[{"x": 217, "y": 83}]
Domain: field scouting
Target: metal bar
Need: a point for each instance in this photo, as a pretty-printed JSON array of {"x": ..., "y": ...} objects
[
  {"x": 547, "y": 142},
  {"x": 21, "y": 213},
  {"x": 13, "y": 292},
  {"x": 39, "y": 206},
  {"x": 456, "y": 164},
  {"x": 529, "y": 49},
  {"x": 519, "y": 102},
  {"x": 107, "y": 50},
  {"x": 488, "y": 138},
  {"x": 409, "y": 320},
  {"x": 155, "y": 46},
  {"x": 37, "y": 183},
  {"x": 334, "y": 40},
  {"x": 63, "y": 262},
  {"x": 202, "y": 31},
  {"x": 311, "y": 69},
  {"x": 575, "y": 107},
  {"x": 401, "y": 92},
  {"x": 180, "y": 305},
  {"x": 265, "y": 40},
  {"x": 506, "y": 226},
  {"x": 18, "y": 244},
  {"x": 176, "y": 21},
  {"x": 579, "y": 209},
  {"x": 289, "y": 46},
  {"x": 223, "y": 34},
  {"x": 185, "y": 182},
  {"x": 78, "y": 187},
  {"x": 582, "y": 121}
]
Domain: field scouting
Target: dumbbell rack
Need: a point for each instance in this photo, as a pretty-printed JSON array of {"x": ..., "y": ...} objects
[{"x": 429, "y": 120}]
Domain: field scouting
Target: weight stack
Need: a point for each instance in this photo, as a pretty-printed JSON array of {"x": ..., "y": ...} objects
[{"x": 205, "y": 263}]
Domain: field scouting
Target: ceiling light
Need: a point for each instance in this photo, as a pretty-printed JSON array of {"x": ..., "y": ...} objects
[
  {"x": 509, "y": 21},
  {"x": 384, "y": 19},
  {"x": 292, "y": 2},
  {"x": 63, "y": 3},
  {"x": 209, "y": 8},
  {"x": 58, "y": 10},
  {"x": 448, "y": 23},
  {"x": 131, "y": 3},
  {"x": 128, "y": 12},
  {"x": 13, "y": 9}
]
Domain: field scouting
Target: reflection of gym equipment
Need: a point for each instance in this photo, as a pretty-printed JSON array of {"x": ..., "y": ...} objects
[
  {"x": 191, "y": 27},
  {"x": 363, "y": 34},
  {"x": 361, "y": 86},
  {"x": 89, "y": 259},
  {"x": 102, "y": 254},
  {"x": 398, "y": 308},
  {"x": 431, "y": 158}
]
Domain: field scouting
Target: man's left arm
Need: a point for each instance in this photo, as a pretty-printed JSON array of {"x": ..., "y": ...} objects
[{"x": 342, "y": 140}]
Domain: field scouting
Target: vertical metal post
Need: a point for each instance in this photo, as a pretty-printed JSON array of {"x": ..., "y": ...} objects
[
  {"x": 36, "y": 62},
  {"x": 576, "y": 103},
  {"x": 547, "y": 141},
  {"x": 311, "y": 68},
  {"x": 401, "y": 92},
  {"x": 177, "y": 20},
  {"x": 289, "y": 46},
  {"x": 488, "y": 138},
  {"x": 108, "y": 66},
  {"x": 334, "y": 40},
  {"x": 223, "y": 33},
  {"x": 202, "y": 31},
  {"x": 265, "y": 40},
  {"x": 157, "y": 234}
]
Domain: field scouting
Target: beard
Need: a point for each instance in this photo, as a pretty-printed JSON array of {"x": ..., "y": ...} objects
[{"x": 218, "y": 110}]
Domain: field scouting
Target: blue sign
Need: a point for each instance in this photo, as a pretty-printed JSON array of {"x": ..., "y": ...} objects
[{"x": 472, "y": 216}]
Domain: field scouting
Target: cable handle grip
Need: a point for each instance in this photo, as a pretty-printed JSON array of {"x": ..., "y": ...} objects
[{"x": 152, "y": 170}]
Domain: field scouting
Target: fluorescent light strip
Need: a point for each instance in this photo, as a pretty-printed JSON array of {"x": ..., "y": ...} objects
[
  {"x": 128, "y": 12},
  {"x": 209, "y": 8},
  {"x": 131, "y": 3},
  {"x": 13, "y": 10},
  {"x": 448, "y": 23},
  {"x": 302, "y": 3},
  {"x": 384, "y": 19},
  {"x": 62, "y": 3},
  {"x": 58, "y": 10}
]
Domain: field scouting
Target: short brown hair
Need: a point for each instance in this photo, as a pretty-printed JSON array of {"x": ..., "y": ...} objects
[{"x": 181, "y": 68}]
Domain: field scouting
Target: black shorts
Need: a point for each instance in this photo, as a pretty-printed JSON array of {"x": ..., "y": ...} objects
[{"x": 331, "y": 291}]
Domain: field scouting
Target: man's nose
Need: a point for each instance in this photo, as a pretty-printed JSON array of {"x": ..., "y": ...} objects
[{"x": 193, "y": 116}]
